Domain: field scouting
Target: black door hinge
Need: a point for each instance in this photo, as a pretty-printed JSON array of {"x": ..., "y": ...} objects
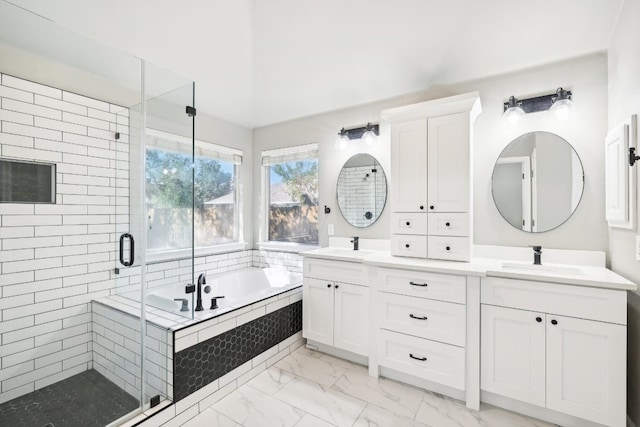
[{"x": 191, "y": 111}]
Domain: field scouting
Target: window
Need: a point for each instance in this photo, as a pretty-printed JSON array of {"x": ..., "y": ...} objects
[
  {"x": 169, "y": 193},
  {"x": 291, "y": 194}
]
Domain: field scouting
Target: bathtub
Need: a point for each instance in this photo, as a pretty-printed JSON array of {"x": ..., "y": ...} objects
[{"x": 239, "y": 288}]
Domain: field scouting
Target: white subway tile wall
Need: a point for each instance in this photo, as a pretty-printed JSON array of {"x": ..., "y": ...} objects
[{"x": 52, "y": 256}]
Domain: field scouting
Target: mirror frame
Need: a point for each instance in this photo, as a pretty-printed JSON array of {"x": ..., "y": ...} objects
[
  {"x": 493, "y": 196},
  {"x": 386, "y": 193}
]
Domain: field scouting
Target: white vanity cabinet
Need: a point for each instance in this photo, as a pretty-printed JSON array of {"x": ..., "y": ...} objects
[
  {"x": 421, "y": 324},
  {"x": 335, "y": 305},
  {"x": 561, "y": 347},
  {"x": 431, "y": 175}
]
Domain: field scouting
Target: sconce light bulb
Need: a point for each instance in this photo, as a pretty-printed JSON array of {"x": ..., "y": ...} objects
[
  {"x": 562, "y": 109},
  {"x": 368, "y": 138},
  {"x": 341, "y": 141},
  {"x": 513, "y": 114}
]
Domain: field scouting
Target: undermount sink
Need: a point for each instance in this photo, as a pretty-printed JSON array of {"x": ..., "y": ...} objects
[
  {"x": 346, "y": 252},
  {"x": 542, "y": 269}
]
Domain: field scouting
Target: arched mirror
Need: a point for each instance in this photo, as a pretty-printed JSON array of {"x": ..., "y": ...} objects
[
  {"x": 361, "y": 190},
  {"x": 537, "y": 182}
]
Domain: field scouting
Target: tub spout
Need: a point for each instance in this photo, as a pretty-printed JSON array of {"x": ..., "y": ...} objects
[{"x": 202, "y": 280}]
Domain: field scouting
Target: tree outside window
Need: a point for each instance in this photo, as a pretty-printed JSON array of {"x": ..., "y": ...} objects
[
  {"x": 293, "y": 202},
  {"x": 169, "y": 197}
]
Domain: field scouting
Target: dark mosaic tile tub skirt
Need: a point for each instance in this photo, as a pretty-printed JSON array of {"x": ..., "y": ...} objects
[{"x": 203, "y": 363}]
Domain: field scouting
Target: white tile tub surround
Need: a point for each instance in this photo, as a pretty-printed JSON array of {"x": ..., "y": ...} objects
[
  {"x": 56, "y": 258},
  {"x": 116, "y": 352}
]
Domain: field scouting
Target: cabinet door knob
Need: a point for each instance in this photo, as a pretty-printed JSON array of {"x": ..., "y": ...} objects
[
  {"x": 335, "y": 286},
  {"x": 554, "y": 322},
  {"x": 538, "y": 319},
  {"x": 421, "y": 207},
  {"x": 448, "y": 224},
  {"x": 406, "y": 246},
  {"x": 448, "y": 248},
  {"x": 328, "y": 285},
  {"x": 408, "y": 223},
  {"x": 422, "y": 359},
  {"x": 413, "y": 316},
  {"x": 432, "y": 207}
]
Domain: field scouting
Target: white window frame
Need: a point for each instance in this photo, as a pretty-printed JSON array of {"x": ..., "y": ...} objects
[
  {"x": 271, "y": 157},
  {"x": 171, "y": 142}
]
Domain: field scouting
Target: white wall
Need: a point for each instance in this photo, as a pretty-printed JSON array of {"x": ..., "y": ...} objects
[
  {"x": 585, "y": 76},
  {"x": 624, "y": 100}
]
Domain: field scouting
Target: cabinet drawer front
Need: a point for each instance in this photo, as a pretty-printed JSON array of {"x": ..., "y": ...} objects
[
  {"x": 451, "y": 248},
  {"x": 448, "y": 224},
  {"x": 408, "y": 223},
  {"x": 576, "y": 301},
  {"x": 436, "y": 320},
  {"x": 443, "y": 287},
  {"x": 409, "y": 245},
  {"x": 347, "y": 272},
  {"x": 431, "y": 360}
]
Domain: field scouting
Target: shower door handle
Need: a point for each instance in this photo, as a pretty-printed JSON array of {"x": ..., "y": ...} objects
[{"x": 131, "y": 249}]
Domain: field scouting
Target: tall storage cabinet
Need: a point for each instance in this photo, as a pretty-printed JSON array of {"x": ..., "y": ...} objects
[{"x": 431, "y": 175}]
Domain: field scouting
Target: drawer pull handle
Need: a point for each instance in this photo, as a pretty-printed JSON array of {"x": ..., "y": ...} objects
[
  {"x": 424, "y": 285},
  {"x": 408, "y": 223},
  {"x": 417, "y": 317},
  {"x": 448, "y": 248},
  {"x": 554, "y": 322},
  {"x": 406, "y": 246},
  {"x": 422, "y": 359},
  {"x": 448, "y": 224}
]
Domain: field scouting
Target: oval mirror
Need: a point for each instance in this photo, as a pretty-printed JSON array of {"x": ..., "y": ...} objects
[
  {"x": 537, "y": 182},
  {"x": 361, "y": 190}
]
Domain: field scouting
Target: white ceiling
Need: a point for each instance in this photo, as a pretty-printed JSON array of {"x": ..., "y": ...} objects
[{"x": 257, "y": 62}]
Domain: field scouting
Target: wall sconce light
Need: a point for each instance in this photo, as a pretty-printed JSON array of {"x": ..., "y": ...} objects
[
  {"x": 558, "y": 103},
  {"x": 367, "y": 134}
]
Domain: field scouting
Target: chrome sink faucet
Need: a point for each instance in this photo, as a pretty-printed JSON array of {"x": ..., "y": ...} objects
[
  {"x": 356, "y": 243},
  {"x": 537, "y": 255}
]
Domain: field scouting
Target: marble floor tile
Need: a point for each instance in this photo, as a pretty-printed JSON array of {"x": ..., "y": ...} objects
[
  {"x": 271, "y": 380},
  {"x": 374, "y": 416},
  {"x": 332, "y": 406},
  {"x": 498, "y": 417},
  {"x": 211, "y": 417},
  {"x": 252, "y": 408},
  {"x": 311, "y": 421},
  {"x": 312, "y": 368},
  {"x": 391, "y": 395},
  {"x": 439, "y": 411}
]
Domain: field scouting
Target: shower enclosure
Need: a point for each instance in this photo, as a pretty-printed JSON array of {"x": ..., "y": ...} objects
[{"x": 80, "y": 345}]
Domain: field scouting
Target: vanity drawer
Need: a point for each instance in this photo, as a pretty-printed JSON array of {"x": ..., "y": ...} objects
[
  {"x": 346, "y": 272},
  {"x": 442, "y": 287},
  {"x": 448, "y": 224},
  {"x": 409, "y": 245},
  {"x": 409, "y": 223},
  {"x": 606, "y": 305},
  {"x": 431, "y": 360},
  {"x": 452, "y": 248},
  {"x": 436, "y": 320}
]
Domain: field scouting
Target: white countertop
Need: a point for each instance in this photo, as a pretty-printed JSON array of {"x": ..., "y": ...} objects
[{"x": 570, "y": 274}]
